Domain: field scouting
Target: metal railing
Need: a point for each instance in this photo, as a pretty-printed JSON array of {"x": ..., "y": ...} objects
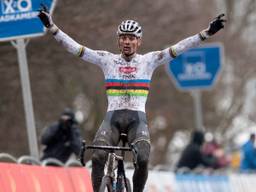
[{"x": 30, "y": 160}]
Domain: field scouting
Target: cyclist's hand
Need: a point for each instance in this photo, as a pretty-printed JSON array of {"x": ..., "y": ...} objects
[
  {"x": 45, "y": 16},
  {"x": 214, "y": 26}
]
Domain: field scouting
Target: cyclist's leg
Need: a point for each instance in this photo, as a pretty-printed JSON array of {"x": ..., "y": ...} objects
[
  {"x": 141, "y": 170},
  {"x": 106, "y": 135},
  {"x": 139, "y": 136},
  {"x": 98, "y": 162}
]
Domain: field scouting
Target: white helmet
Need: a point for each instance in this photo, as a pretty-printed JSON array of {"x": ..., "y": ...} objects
[{"x": 130, "y": 27}]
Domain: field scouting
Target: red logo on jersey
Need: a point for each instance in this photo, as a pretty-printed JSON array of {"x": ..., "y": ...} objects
[{"x": 127, "y": 70}]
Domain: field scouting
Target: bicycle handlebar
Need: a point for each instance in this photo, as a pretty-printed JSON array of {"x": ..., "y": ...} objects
[{"x": 105, "y": 147}]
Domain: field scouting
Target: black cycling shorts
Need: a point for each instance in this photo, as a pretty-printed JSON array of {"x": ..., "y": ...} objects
[{"x": 132, "y": 123}]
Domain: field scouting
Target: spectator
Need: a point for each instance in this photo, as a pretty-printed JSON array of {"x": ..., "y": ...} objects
[
  {"x": 214, "y": 152},
  {"x": 248, "y": 162},
  {"x": 235, "y": 159},
  {"x": 62, "y": 139},
  {"x": 192, "y": 155}
]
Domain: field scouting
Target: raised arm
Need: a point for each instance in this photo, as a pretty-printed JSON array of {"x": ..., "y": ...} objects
[
  {"x": 166, "y": 55},
  {"x": 69, "y": 44},
  {"x": 193, "y": 41}
]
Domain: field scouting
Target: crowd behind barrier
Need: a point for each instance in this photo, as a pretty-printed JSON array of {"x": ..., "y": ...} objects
[{"x": 29, "y": 175}]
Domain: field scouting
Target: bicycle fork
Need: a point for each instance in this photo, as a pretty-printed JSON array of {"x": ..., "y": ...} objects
[
  {"x": 121, "y": 177},
  {"x": 110, "y": 165},
  {"x": 119, "y": 182}
]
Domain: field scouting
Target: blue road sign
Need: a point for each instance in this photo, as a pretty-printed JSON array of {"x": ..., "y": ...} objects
[
  {"x": 197, "y": 68},
  {"x": 18, "y": 18}
]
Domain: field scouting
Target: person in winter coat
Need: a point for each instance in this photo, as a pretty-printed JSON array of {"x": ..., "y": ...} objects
[
  {"x": 248, "y": 162},
  {"x": 62, "y": 139},
  {"x": 215, "y": 152},
  {"x": 192, "y": 155}
]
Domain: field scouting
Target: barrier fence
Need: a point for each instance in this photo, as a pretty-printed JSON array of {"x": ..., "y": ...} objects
[
  {"x": 163, "y": 181},
  {"x": 35, "y": 178},
  {"x": 31, "y": 178}
]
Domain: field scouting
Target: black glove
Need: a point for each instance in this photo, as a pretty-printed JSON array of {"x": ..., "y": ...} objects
[
  {"x": 45, "y": 16},
  {"x": 216, "y": 25}
]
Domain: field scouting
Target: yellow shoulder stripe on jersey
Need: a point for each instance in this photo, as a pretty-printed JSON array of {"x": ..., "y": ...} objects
[
  {"x": 81, "y": 51},
  {"x": 173, "y": 52}
]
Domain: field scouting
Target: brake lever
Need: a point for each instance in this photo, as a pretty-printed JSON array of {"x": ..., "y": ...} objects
[{"x": 82, "y": 151}]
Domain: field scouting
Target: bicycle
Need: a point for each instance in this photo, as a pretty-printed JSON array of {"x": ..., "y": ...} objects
[{"x": 112, "y": 182}]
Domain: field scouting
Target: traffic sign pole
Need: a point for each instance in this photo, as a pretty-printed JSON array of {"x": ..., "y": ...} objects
[
  {"x": 196, "y": 94},
  {"x": 20, "y": 45}
]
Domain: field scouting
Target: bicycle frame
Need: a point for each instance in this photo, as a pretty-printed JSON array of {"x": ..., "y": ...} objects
[
  {"x": 113, "y": 158},
  {"x": 111, "y": 164}
]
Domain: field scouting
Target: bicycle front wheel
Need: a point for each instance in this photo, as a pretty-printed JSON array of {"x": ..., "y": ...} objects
[
  {"x": 128, "y": 187},
  {"x": 106, "y": 184},
  {"x": 123, "y": 185}
]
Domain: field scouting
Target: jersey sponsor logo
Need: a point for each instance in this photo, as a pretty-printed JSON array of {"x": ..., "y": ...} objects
[
  {"x": 101, "y": 53},
  {"x": 127, "y": 70},
  {"x": 128, "y": 76},
  {"x": 119, "y": 62}
]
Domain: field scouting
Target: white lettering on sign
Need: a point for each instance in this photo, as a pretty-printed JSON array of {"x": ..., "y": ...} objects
[
  {"x": 20, "y": 16},
  {"x": 194, "y": 67},
  {"x": 195, "y": 71},
  {"x": 16, "y": 6}
]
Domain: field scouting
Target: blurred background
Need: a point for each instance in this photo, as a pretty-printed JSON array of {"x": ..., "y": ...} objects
[{"x": 60, "y": 80}]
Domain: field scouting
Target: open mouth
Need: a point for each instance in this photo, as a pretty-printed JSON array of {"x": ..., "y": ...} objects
[{"x": 127, "y": 48}]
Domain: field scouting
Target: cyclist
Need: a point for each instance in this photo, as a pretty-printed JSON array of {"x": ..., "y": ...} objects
[{"x": 127, "y": 80}]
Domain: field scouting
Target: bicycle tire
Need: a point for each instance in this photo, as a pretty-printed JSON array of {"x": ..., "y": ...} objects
[
  {"x": 128, "y": 188},
  {"x": 106, "y": 184},
  {"x": 124, "y": 188}
]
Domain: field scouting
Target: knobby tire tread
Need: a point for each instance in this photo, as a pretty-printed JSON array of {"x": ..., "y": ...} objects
[
  {"x": 106, "y": 184},
  {"x": 129, "y": 188}
]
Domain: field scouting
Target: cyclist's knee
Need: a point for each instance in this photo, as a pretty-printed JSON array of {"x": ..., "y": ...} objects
[
  {"x": 99, "y": 156},
  {"x": 143, "y": 149}
]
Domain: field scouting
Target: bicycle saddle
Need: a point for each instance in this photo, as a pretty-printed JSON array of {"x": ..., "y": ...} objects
[{"x": 123, "y": 138}]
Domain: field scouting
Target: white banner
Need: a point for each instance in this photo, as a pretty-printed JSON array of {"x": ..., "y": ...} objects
[{"x": 164, "y": 181}]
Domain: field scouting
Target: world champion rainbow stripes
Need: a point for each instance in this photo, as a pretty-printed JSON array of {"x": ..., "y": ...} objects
[{"x": 119, "y": 87}]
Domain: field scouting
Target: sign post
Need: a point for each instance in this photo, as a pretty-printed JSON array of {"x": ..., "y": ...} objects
[
  {"x": 18, "y": 20},
  {"x": 195, "y": 70},
  {"x": 196, "y": 94},
  {"x": 27, "y": 97}
]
